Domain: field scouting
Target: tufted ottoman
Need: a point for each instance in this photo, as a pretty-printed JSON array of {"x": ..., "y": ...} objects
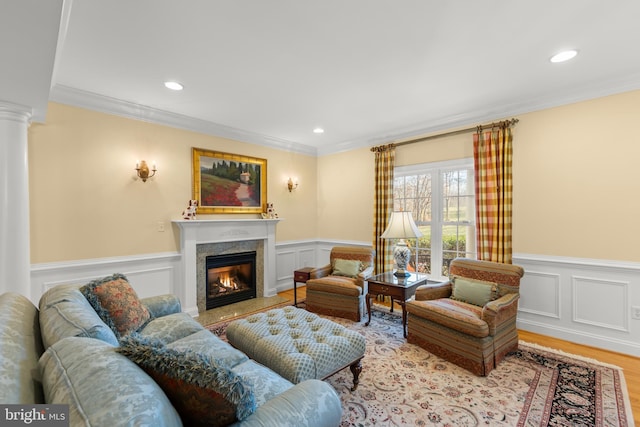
[{"x": 297, "y": 344}]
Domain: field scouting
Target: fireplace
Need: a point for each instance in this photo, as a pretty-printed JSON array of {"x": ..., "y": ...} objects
[
  {"x": 230, "y": 278},
  {"x": 204, "y": 237}
]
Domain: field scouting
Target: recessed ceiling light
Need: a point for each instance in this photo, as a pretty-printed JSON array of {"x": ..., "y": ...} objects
[
  {"x": 563, "y": 56},
  {"x": 173, "y": 85},
  {"x": 318, "y": 130}
]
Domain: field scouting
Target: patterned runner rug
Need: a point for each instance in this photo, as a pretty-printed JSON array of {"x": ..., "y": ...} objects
[{"x": 403, "y": 384}]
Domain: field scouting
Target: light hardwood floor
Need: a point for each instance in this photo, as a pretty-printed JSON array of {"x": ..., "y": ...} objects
[{"x": 630, "y": 364}]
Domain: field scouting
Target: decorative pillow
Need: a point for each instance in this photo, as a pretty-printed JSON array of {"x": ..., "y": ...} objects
[
  {"x": 346, "y": 267},
  {"x": 203, "y": 390},
  {"x": 476, "y": 292},
  {"x": 117, "y": 304}
]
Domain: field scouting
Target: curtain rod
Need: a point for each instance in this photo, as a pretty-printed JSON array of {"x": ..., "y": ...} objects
[{"x": 506, "y": 123}]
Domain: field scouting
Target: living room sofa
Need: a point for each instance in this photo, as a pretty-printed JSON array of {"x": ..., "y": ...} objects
[{"x": 65, "y": 353}]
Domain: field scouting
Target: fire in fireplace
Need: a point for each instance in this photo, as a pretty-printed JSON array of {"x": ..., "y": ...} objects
[{"x": 230, "y": 278}]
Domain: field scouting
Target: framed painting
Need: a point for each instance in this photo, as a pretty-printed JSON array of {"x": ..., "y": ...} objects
[{"x": 229, "y": 183}]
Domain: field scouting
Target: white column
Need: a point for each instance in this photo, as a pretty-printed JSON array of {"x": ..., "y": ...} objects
[{"x": 15, "y": 263}]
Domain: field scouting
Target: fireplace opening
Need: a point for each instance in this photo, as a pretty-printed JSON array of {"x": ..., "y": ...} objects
[{"x": 230, "y": 278}]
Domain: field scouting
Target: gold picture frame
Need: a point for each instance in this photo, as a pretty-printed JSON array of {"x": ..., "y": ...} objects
[{"x": 229, "y": 183}]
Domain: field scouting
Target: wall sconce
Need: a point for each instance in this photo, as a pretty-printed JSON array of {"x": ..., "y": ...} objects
[
  {"x": 291, "y": 185},
  {"x": 143, "y": 170}
]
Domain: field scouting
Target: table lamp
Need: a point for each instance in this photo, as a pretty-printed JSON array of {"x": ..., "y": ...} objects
[{"x": 401, "y": 226}]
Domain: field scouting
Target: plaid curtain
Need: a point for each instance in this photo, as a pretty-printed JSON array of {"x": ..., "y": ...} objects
[
  {"x": 493, "y": 158},
  {"x": 385, "y": 156}
]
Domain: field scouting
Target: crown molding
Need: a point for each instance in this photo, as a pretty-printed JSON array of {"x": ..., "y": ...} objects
[
  {"x": 493, "y": 113},
  {"x": 104, "y": 104}
]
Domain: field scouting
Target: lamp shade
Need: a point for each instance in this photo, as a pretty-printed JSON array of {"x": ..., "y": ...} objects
[{"x": 401, "y": 226}]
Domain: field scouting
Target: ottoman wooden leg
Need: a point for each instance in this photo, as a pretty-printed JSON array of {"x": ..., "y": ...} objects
[{"x": 356, "y": 368}]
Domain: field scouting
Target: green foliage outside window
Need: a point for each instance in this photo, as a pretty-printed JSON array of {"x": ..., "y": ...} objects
[{"x": 452, "y": 247}]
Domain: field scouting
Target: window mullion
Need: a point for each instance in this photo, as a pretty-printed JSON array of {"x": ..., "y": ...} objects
[{"x": 436, "y": 227}]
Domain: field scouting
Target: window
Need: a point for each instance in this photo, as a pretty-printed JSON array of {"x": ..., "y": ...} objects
[{"x": 441, "y": 197}]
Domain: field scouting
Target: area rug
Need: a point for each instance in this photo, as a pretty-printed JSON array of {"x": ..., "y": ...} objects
[{"x": 403, "y": 384}]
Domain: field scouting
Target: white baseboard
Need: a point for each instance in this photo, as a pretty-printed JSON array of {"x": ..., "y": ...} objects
[{"x": 576, "y": 336}]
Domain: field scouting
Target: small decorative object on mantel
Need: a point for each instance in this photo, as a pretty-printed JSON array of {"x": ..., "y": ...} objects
[
  {"x": 270, "y": 213},
  {"x": 190, "y": 212}
]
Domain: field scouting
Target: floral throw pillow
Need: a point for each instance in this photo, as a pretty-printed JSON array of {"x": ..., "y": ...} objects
[
  {"x": 204, "y": 391},
  {"x": 117, "y": 304}
]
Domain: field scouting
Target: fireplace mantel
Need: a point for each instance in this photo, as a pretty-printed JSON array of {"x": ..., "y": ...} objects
[{"x": 202, "y": 231}]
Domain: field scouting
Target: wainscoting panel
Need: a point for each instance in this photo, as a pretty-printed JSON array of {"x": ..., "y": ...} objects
[
  {"x": 152, "y": 281},
  {"x": 324, "y": 253},
  {"x": 285, "y": 264},
  {"x": 585, "y": 301},
  {"x": 149, "y": 275},
  {"x": 307, "y": 257},
  {"x": 540, "y": 294},
  {"x": 291, "y": 256},
  {"x": 590, "y": 308}
]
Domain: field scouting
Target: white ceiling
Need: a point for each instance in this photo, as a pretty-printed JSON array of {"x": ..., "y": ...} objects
[{"x": 367, "y": 71}]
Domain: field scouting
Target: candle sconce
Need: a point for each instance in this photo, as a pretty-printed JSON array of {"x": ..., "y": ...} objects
[
  {"x": 292, "y": 185},
  {"x": 142, "y": 169}
]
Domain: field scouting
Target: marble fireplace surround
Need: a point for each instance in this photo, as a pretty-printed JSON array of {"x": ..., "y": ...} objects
[{"x": 199, "y": 238}]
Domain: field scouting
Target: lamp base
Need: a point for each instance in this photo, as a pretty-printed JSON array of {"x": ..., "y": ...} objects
[
  {"x": 402, "y": 255},
  {"x": 401, "y": 273}
]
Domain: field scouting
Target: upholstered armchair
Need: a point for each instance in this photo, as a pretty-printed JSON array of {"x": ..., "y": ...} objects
[
  {"x": 469, "y": 320},
  {"x": 339, "y": 288}
]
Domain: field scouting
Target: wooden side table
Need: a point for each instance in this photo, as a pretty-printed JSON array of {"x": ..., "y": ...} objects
[
  {"x": 300, "y": 276},
  {"x": 400, "y": 289}
]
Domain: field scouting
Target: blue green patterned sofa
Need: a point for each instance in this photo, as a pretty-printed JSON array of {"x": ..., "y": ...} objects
[{"x": 62, "y": 352}]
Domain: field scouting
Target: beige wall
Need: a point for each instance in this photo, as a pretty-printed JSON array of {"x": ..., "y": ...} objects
[
  {"x": 85, "y": 202},
  {"x": 576, "y": 178},
  {"x": 576, "y": 181},
  {"x": 345, "y": 196}
]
